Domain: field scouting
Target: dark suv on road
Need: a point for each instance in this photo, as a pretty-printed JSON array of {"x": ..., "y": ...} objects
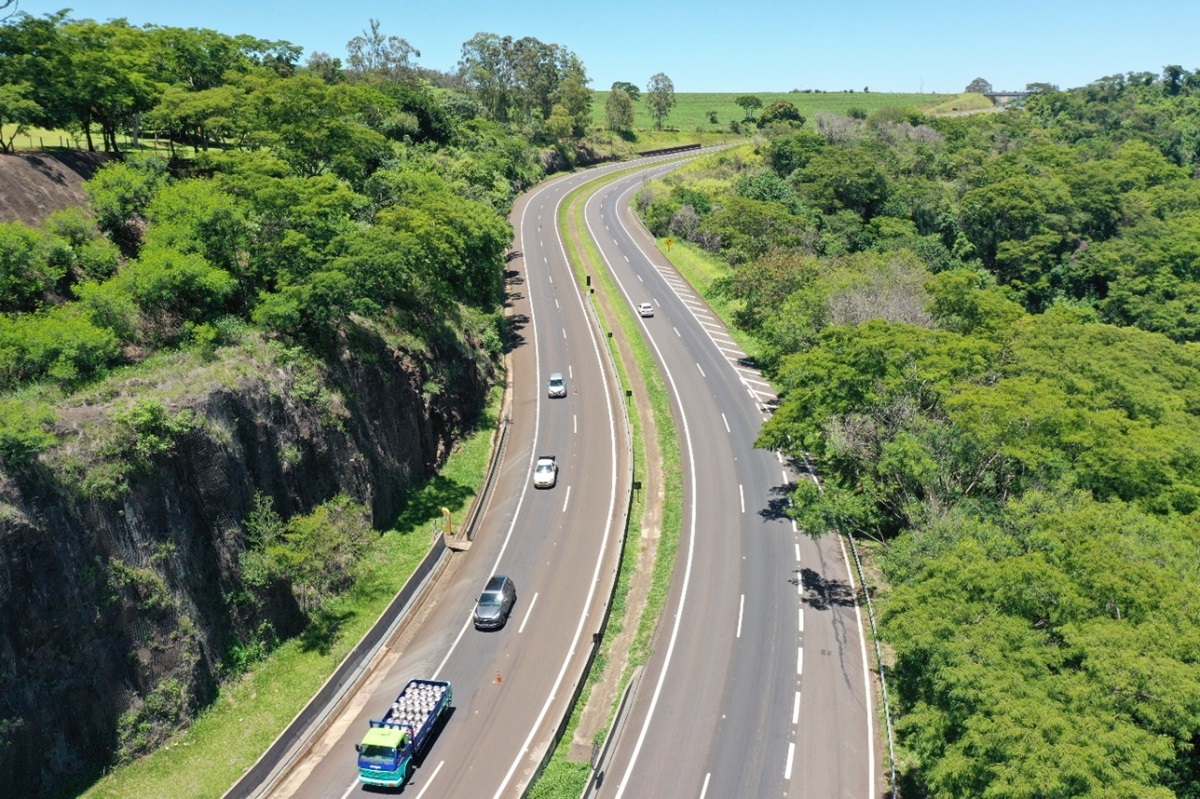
[{"x": 495, "y": 603}]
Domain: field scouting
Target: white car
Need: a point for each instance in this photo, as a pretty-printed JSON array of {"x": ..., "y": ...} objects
[
  {"x": 545, "y": 472},
  {"x": 645, "y": 309},
  {"x": 557, "y": 387}
]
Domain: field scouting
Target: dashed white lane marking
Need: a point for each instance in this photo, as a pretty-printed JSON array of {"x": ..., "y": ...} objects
[
  {"x": 742, "y": 497},
  {"x": 701, "y": 371},
  {"x": 726, "y": 421},
  {"x": 431, "y": 778},
  {"x": 639, "y": 277},
  {"x": 741, "y": 608},
  {"x": 528, "y": 613},
  {"x": 575, "y": 422},
  {"x": 797, "y": 553},
  {"x": 567, "y": 499},
  {"x": 796, "y": 709},
  {"x": 800, "y": 660},
  {"x": 785, "y": 478},
  {"x": 704, "y": 788},
  {"x": 556, "y": 305},
  {"x": 787, "y": 768},
  {"x": 676, "y": 331},
  {"x": 801, "y": 628}
]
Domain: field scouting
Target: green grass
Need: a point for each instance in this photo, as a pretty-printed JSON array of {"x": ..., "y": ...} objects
[
  {"x": 690, "y": 113},
  {"x": 249, "y": 714}
]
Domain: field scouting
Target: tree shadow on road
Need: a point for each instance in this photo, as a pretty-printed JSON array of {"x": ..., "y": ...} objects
[{"x": 821, "y": 593}]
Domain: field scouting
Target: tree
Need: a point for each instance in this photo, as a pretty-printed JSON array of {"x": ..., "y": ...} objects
[
  {"x": 712, "y": 116},
  {"x": 325, "y": 67},
  {"x": 781, "y": 111},
  {"x": 633, "y": 91},
  {"x": 375, "y": 57},
  {"x": 576, "y": 101},
  {"x": 979, "y": 86},
  {"x": 660, "y": 97},
  {"x": 618, "y": 109},
  {"x": 17, "y": 112},
  {"x": 749, "y": 104}
]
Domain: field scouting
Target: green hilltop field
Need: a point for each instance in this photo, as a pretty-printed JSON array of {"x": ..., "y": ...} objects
[{"x": 691, "y": 108}]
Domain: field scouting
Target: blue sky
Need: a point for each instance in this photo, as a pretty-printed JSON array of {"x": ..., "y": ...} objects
[{"x": 746, "y": 46}]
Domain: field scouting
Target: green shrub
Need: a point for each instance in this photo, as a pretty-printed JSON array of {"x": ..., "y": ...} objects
[
  {"x": 62, "y": 344},
  {"x": 23, "y": 431}
]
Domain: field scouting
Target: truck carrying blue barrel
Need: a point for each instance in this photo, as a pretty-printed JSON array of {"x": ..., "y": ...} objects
[{"x": 385, "y": 756}]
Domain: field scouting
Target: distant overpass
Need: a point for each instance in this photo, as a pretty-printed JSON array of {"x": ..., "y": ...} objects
[{"x": 1006, "y": 98}]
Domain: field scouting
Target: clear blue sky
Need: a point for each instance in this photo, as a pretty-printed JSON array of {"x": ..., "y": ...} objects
[{"x": 747, "y": 46}]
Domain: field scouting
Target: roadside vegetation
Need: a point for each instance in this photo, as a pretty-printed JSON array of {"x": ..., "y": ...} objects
[
  {"x": 984, "y": 334},
  {"x": 272, "y": 686}
]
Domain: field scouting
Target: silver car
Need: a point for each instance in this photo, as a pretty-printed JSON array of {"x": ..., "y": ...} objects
[
  {"x": 545, "y": 472},
  {"x": 645, "y": 309},
  {"x": 495, "y": 603},
  {"x": 557, "y": 387}
]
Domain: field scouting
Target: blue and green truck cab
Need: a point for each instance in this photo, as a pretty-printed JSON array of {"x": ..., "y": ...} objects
[{"x": 385, "y": 756}]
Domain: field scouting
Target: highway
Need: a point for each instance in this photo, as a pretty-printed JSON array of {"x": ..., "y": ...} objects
[
  {"x": 759, "y": 685},
  {"x": 560, "y": 546}
]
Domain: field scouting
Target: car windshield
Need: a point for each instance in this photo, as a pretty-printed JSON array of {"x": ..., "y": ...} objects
[
  {"x": 556, "y": 382},
  {"x": 545, "y": 467},
  {"x": 379, "y": 755},
  {"x": 489, "y": 599}
]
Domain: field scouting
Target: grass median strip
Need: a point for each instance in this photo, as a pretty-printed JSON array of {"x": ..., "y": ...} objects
[{"x": 251, "y": 711}]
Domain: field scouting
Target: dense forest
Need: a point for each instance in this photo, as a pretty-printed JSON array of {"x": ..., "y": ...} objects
[
  {"x": 279, "y": 309},
  {"x": 985, "y": 330}
]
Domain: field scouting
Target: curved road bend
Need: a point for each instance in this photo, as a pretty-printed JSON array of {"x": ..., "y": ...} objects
[
  {"x": 759, "y": 684},
  {"x": 560, "y": 546}
]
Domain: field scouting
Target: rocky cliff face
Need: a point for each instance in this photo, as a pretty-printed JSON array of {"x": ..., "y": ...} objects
[{"x": 116, "y": 613}]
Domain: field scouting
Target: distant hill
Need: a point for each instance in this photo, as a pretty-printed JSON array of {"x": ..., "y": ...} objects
[{"x": 691, "y": 108}]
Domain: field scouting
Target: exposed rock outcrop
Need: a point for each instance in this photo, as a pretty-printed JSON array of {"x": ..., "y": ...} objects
[{"x": 115, "y": 613}]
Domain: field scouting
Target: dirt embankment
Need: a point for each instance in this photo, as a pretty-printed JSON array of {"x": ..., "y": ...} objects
[{"x": 35, "y": 185}]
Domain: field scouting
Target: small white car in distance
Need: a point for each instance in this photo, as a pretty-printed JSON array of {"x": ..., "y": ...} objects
[
  {"x": 545, "y": 472},
  {"x": 645, "y": 309}
]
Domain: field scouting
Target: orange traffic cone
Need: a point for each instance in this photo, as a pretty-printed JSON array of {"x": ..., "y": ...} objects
[{"x": 499, "y": 679}]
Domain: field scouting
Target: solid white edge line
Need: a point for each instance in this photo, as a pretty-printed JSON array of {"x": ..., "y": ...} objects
[
  {"x": 528, "y": 613},
  {"x": 608, "y": 524},
  {"x": 866, "y": 675},
  {"x": 691, "y": 546}
]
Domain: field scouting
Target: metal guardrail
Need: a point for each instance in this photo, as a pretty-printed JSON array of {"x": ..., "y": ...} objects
[
  {"x": 862, "y": 577},
  {"x": 683, "y": 148},
  {"x": 351, "y": 669},
  {"x": 344, "y": 677},
  {"x": 598, "y": 636},
  {"x": 596, "y": 778}
]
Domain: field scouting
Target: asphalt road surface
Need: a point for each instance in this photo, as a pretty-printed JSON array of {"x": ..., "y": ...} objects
[
  {"x": 560, "y": 546},
  {"x": 758, "y": 685}
]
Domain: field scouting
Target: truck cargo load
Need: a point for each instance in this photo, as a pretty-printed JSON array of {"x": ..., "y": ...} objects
[{"x": 385, "y": 756}]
